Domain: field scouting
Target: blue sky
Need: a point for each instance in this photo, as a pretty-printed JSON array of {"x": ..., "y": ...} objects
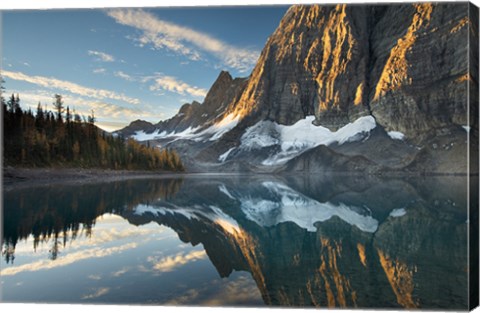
[{"x": 129, "y": 64}]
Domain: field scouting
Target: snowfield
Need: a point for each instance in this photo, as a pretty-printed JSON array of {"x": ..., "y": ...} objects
[
  {"x": 276, "y": 204},
  {"x": 217, "y": 130},
  {"x": 224, "y": 156},
  {"x": 292, "y": 206},
  {"x": 140, "y": 135},
  {"x": 212, "y": 213},
  {"x": 212, "y": 133},
  {"x": 292, "y": 140},
  {"x": 301, "y": 136},
  {"x": 185, "y": 134}
]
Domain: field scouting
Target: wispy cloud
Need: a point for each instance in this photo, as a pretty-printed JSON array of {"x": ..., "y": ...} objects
[
  {"x": 187, "y": 298},
  {"x": 120, "y": 272},
  {"x": 99, "y": 71},
  {"x": 164, "y": 83},
  {"x": 94, "y": 277},
  {"x": 98, "y": 293},
  {"x": 183, "y": 40},
  {"x": 101, "y": 56},
  {"x": 172, "y": 84},
  {"x": 124, "y": 76},
  {"x": 53, "y": 83},
  {"x": 66, "y": 260},
  {"x": 169, "y": 263}
]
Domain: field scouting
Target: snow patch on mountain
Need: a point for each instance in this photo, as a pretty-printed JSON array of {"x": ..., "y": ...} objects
[
  {"x": 184, "y": 134},
  {"x": 224, "y": 156},
  {"x": 398, "y": 212},
  {"x": 212, "y": 133},
  {"x": 211, "y": 213},
  {"x": 275, "y": 203},
  {"x": 396, "y": 135},
  {"x": 301, "y": 136},
  {"x": 224, "y": 190},
  {"x": 140, "y": 135},
  {"x": 159, "y": 210},
  {"x": 217, "y": 130},
  {"x": 261, "y": 135},
  {"x": 288, "y": 205}
]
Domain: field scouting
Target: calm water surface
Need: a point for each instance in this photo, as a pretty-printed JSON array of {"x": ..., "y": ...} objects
[{"x": 240, "y": 240}]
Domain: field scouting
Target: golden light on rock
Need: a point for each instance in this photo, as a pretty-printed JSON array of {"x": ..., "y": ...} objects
[
  {"x": 400, "y": 278},
  {"x": 337, "y": 33},
  {"x": 361, "y": 254},
  {"x": 359, "y": 95},
  {"x": 395, "y": 72}
]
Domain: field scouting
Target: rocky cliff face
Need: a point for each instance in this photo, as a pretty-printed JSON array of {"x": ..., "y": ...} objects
[
  {"x": 315, "y": 63},
  {"x": 405, "y": 66},
  {"x": 334, "y": 262},
  {"x": 420, "y": 73}
]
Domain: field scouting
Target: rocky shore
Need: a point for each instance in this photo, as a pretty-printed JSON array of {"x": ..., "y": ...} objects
[{"x": 29, "y": 177}]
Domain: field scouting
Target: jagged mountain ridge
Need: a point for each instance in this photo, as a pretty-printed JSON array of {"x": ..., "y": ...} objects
[
  {"x": 223, "y": 93},
  {"x": 295, "y": 258},
  {"x": 405, "y": 65}
]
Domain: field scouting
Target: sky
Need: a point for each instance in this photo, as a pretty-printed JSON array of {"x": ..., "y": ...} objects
[{"x": 129, "y": 63}]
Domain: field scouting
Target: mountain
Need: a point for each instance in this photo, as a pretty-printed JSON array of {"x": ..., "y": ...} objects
[
  {"x": 309, "y": 248},
  {"x": 364, "y": 88},
  {"x": 193, "y": 116}
]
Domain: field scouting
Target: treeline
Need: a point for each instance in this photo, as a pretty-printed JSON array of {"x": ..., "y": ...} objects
[
  {"x": 67, "y": 139},
  {"x": 41, "y": 213}
]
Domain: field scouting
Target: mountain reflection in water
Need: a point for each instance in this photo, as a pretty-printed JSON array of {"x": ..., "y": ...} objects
[{"x": 293, "y": 241}]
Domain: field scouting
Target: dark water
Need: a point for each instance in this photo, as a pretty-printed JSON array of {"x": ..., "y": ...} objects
[{"x": 241, "y": 240}]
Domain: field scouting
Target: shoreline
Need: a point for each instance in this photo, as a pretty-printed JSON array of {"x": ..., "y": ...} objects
[
  {"x": 14, "y": 178},
  {"x": 20, "y": 177},
  {"x": 23, "y": 177}
]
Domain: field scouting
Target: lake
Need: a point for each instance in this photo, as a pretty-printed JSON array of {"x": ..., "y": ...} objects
[{"x": 240, "y": 240}]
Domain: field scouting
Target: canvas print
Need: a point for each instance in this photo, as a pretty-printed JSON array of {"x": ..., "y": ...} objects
[{"x": 320, "y": 155}]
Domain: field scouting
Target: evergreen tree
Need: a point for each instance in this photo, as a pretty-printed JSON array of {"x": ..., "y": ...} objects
[
  {"x": 11, "y": 103},
  {"x": 76, "y": 117},
  {"x": 16, "y": 106},
  {"x": 91, "y": 118},
  {"x": 2, "y": 91},
  {"x": 39, "y": 117},
  {"x": 58, "y": 105},
  {"x": 43, "y": 140},
  {"x": 68, "y": 116},
  {"x": 39, "y": 111}
]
